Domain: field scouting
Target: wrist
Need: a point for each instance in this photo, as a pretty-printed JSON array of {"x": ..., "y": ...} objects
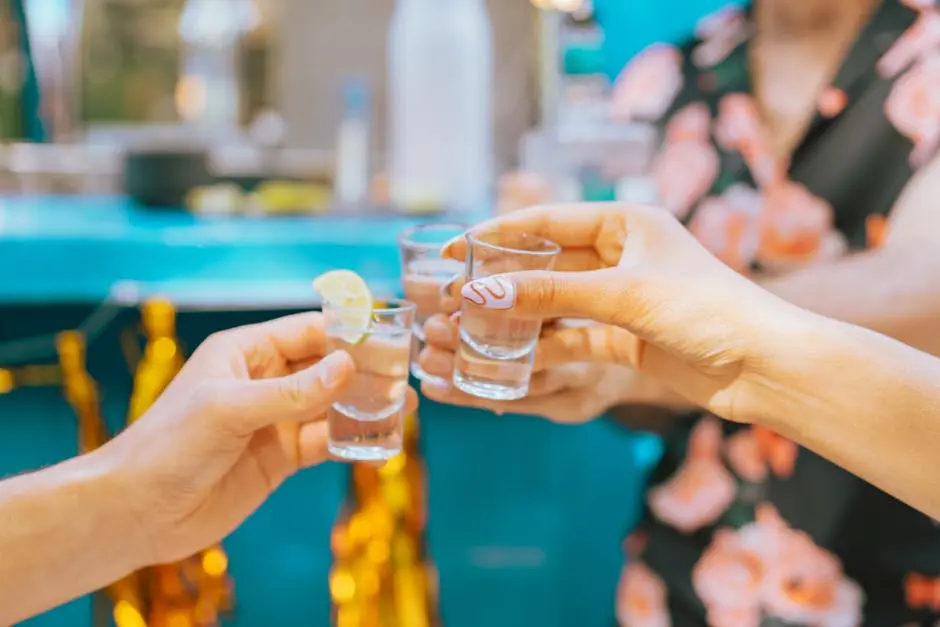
[
  {"x": 789, "y": 369},
  {"x": 114, "y": 495}
]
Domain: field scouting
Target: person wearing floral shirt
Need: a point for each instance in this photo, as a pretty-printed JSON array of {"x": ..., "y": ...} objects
[{"x": 799, "y": 146}]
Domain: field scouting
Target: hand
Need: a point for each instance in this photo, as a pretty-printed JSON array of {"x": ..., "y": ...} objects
[
  {"x": 576, "y": 377},
  {"x": 692, "y": 322},
  {"x": 244, "y": 414}
]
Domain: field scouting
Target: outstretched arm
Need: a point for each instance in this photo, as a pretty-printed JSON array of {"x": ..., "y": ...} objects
[
  {"x": 860, "y": 399},
  {"x": 64, "y": 532}
]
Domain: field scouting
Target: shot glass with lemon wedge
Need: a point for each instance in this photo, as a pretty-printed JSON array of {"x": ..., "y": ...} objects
[{"x": 367, "y": 422}]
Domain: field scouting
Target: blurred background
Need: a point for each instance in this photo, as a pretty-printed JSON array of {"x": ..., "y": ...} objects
[{"x": 169, "y": 168}]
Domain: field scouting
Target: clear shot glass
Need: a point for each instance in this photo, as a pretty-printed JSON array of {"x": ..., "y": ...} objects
[
  {"x": 366, "y": 423},
  {"x": 425, "y": 274},
  {"x": 496, "y": 352}
]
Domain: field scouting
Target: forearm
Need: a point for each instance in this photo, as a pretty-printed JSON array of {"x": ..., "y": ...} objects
[
  {"x": 63, "y": 534},
  {"x": 890, "y": 290},
  {"x": 864, "y": 401}
]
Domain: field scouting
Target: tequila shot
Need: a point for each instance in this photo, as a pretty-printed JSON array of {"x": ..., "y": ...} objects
[
  {"x": 424, "y": 275},
  {"x": 496, "y": 352},
  {"x": 366, "y": 423}
]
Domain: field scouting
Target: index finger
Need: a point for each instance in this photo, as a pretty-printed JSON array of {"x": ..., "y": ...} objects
[
  {"x": 298, "y": 337},
  {"x": 568, "y": 225}
]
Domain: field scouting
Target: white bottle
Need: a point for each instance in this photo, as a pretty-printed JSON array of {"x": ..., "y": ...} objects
[{"x": 440, "y": 106}]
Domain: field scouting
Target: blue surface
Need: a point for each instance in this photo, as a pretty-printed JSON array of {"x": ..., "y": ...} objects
[
  {"x": 526, "y": 517},
  {"x": 77, "y": 248}
]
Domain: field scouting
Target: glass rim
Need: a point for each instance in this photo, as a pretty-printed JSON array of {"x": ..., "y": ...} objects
[
  {"x": 554, "y": 248},
  {"x": 404, "y": 239},
  {"x": 401, "y": 305}
]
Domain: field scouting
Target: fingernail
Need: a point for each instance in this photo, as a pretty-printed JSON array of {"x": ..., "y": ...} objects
[
  {"x": 333, "y": 368},
  {"x": 455, "y": 318},
  {"x": 492, "y": 292}
]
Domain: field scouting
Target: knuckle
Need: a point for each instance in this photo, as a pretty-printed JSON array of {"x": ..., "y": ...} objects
[{"x": 294, "y": 392}]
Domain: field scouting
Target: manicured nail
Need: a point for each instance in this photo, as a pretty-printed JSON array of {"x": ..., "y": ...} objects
[
  {"x": 333, "y": 368},
  {"x": 492, "y": 292}
]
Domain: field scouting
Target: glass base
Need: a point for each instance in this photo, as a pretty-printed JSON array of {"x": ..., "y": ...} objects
[
  {"x": 488, "y": 389},
  {"x": 358, "y": 453}
]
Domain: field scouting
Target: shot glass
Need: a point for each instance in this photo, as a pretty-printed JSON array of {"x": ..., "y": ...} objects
[
  {"x": 424, "y": 276},
  {"x": 367, "y": 422},
  {"x": 496, "y": 352}
]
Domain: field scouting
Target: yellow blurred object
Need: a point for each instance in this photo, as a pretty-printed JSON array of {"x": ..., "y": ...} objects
[
  {"x": 220, "y": 199},
  {"x": 192, "y": 592},
  {"x": 291, "y": 197},
  {"x": 214, "y": 562},
  {"x": 6, "y": 381},
  {"x": 126, "y": 615},
  {"x": 380, "y": 576}
]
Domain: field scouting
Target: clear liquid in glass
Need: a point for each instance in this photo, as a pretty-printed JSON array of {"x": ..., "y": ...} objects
[
  {"x": 496, "y": 353},
  {"x": 366, "y": 422}
]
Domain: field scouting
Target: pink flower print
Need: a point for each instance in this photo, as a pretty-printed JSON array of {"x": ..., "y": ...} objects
[
  {"x": 738, "y": 125},
  {"x": 793, "y": 224},
  {"x": 701, "y": 490},
  {"x": 649, "y": 84},
  {"x": 720, "y": 33},
  {"x": 754, "y": 451},
  {"x": 728, "y": 579},
  {"x": 767, "y": 567},
  {"x": 918, "y": 41},
  {"x": 684, "y": 171},
  {"x": 913, "y": 107},
  {"x": 641, "y": 598},
  {"x": 728, "y": 226},
  {"x": 745, "y": 457},
  {"x": 806, "y": 586},
  {"x": 690, "y": 123},
  {"x": 734, "y": 616},
  {"x": 919, "y": 5}
]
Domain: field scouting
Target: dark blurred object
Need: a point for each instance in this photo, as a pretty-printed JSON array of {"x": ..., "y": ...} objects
[{"x": 162, "y": 178}]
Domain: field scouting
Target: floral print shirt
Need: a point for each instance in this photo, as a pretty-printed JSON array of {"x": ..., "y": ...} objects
[{"x": 743, "y": 527}]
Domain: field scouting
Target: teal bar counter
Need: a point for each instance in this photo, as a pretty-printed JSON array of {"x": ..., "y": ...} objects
[{"x": 525, "y": 517}]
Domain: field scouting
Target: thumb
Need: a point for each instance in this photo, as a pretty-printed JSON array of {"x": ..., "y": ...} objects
[
  {"x": 597, "y": 295},
  {"x": 301, "y": 396}
]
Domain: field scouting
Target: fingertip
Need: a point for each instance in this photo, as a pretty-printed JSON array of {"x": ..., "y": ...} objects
[
  {"x": 440, "y": 330},
  {"x": 436, "y": 389},
  {"x": 456, "y": 248},
  {"x": 312, "y": 444},
  {"x": 411, "y": 401}
]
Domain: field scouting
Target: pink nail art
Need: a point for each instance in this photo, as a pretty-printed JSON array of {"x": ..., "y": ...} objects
[{"x": 491, "y": 292}]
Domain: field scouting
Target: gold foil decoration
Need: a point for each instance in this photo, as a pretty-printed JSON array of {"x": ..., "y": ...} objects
[
  {"x": 195, "y": 591},
  {"x": 380, "y": 575}
]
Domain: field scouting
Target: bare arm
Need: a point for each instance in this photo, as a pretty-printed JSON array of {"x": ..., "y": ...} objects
[
  {"x": 63, "y": 533},
  {"x": 862, "y": 400},
  {"x": 893, "y": 290}
]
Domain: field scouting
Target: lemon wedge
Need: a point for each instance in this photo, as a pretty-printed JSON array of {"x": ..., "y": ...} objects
[{"x": 347, "y": 294}]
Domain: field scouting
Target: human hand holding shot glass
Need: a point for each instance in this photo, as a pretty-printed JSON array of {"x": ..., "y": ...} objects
[
  {"x": 425, "y": 273},
  {"x": 367, "y": 422},
  {"x": 497, "y": 349}
]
